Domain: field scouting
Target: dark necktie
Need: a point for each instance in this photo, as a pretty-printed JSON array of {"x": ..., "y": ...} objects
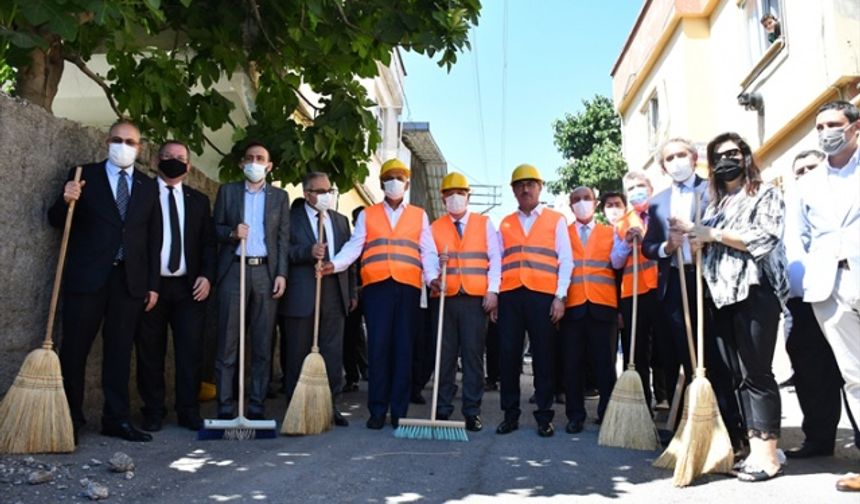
[
  {"x": 459, "y": 225},
  {"x": 175, "y": 237},
  {"x": 583, "y": 235},
  {"x": 122, "y": 198}
]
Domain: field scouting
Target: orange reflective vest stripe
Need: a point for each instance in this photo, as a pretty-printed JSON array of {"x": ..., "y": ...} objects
[
  {"x": 593, "y": 278},
  {"x": 530, "y": 260},
  {"x": 392, "y": 253},
  {"x": 468, "y": 261},
  {"x": 647, "y": 268}
]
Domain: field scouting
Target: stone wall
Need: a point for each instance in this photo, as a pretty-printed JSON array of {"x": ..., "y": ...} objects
[{"x": 36, "y": 152}]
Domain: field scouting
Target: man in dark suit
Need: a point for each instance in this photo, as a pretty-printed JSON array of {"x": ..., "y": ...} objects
[
  {"x": 677, "y": 158},
  {"x": 111, "y": 276},
  {"x": 258, "y": 213},
  {"x": 296, "y": 312},
  {"x": 354, "y": 338},
  {"x": 187, "y": 268}
]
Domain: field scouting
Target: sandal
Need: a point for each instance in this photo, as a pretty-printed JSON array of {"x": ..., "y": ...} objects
[{"x": 752, "y": 474}]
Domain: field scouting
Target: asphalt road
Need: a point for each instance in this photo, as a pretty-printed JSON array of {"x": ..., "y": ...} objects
[{"x": 354, "y": 464}]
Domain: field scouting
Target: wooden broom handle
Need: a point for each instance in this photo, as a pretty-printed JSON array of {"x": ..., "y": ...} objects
[
  {"x": 630, "y": 362},
  {"x": 58, "y": 275},
  {"x": 242, "y": 252},
  {"x": 442, "y": 288},
  {"x": 700, "y": 310},
  {"x": 685, "y": 302},
  {"x": 318, "y": 291}
]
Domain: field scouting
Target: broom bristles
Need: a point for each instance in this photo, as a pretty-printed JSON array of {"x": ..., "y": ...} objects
[
  {"x": 705, "y": 444},
  {"x": 627, "y": 422},
  {"x": 667, "y": 459},
  {"x": 34, "y": 414},
  {"x": 311, "y": 409}
]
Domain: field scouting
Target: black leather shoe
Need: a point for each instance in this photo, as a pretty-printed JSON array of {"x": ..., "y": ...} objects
[
  {"x": 151, "y": 424},
  {"x": 808, "y": 451},
  {"x": 395, "y": 421},
  {"x": 573, "y": 427},
  {"x": 124, "y": 430},
  {"x": 507, "y": 426},
  {"x": 256, "y": 415},
  {"x": 546, "y": 430},
  {"x": 532, "y": 399},
  {"x": 491, "y": 386},
  {"x": 226, "y": 416},
  {"x": 560, "y": 398},
  {"x": 350, "y": 387},
  {"x": 473, "y": 423},
  {"x": 442, "y": 416},
  {"x": 375, "y": 422},
  {"x": 194, "y": 423},
  {"x": 417, "y": 398},
  {"x": 339, "y": 419}
]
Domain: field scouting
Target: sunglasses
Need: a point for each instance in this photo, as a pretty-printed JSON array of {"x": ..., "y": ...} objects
[
  {"x": 323, "y": 191},
  {"x": 131, "y": 142},
  {"x": 731, "y": 153}
]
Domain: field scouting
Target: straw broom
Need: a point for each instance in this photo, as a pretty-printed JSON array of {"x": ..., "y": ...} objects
[
  {"x": 444, "y": 430},
  {"x": 705, "y": 444},
  {"x": 627, "y": 422},
  {"x": 670, "y": 455},
  {"x": 34, "y": 415},
  {"x": 311, "y": 410}
]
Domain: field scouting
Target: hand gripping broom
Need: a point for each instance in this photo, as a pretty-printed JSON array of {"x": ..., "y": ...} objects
[
  {"x": 627, "y": 422},
  {"x": 239, "y": 428},
  {"x": 34, "y": 414},
  {"x": 444, "y": 430},
  {"x": 705, "y": 444},
  {"x": 311, "y": 410}
]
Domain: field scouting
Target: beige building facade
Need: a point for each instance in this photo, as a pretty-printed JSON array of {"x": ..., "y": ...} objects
[{"x": 697, "y": 68}]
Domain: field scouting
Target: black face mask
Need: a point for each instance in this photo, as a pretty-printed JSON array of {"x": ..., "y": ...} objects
[
  {"x": 172, "y": 168},
  {"x": 728, "y": 169}
]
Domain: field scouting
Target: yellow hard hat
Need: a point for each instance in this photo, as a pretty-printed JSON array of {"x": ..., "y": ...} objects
[
  {"x": 455, "y": 180},
  {"x": 525, "y": 172},
  {"x": 393, "y": 164}
]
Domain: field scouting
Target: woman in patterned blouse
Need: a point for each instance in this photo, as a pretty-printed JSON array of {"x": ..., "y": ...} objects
[{"x": 744, "y": 267}]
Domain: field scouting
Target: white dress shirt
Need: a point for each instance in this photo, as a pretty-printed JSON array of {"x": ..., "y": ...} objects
[
  {"x": 352, "y": 249},
  {"x": 681, "y": 201},
  {"x": 562, "y": 247},
  {"x": 494, "y": 274},
  {"x": 113, "y": 176},
  {"x": 163, "y": 197},
  {"x": 329, "y": 231}
]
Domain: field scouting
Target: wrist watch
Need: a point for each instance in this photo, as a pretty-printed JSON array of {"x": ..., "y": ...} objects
[{"x": 563, "y": 299}]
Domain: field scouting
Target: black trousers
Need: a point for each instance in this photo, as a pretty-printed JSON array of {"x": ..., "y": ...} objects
[
  {"x": 520, "y": 311},
  {"x": 117, "y": 313},
  {"x": 492, "y": 353},
  {"x": 746, "y": 335},
  {"x": 423, "y": 348},
  {"x": 586, "y": 340},
  {"x": 650, "y": 325},
  {"x": 718, "y": 372},
  {"x": 176, "y": 307},
  {"x": 355, "y": 346},
  {"x": 817, "y": 379}
]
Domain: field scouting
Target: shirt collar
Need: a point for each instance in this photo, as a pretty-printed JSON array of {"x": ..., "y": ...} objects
[
  {"x": 687, "y": 184},
  {"x": 590, "y": 225},
  {"x": 850, "y": 166},
  {"x": 249, "y": 191},
  {"x": 464, "y": 219},
  {"x": 312, "y": 212},
  {"x": 402, "y": 205},
  {"x": 162, "y": 185},
  {"x": 114, "y": 169},
  {"x": 536, "y": 210}
]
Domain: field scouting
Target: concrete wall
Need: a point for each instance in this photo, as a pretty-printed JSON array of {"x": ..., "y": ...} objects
[{"x": 36, "y": 151}]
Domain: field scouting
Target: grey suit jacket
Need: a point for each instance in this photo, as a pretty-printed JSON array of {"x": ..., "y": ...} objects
[
  {"x": 659, "y": 212},
  {"x": 299, "y": 298},
  {"x": 229, "y": 212}
]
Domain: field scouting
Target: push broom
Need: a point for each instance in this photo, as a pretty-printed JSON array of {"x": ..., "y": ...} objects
[
  {"x": 627, "y": 422},
  {"x": 34, "y": 414},
  {"x": 444, "y": 430},
  {"x": 311, "y": 410},
  {"x": 705, "y": 443},
  {"x": 239, "y": 428}
]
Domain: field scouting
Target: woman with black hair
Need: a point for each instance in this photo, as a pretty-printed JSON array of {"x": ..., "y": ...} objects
[{"x": 744, "y": 267}]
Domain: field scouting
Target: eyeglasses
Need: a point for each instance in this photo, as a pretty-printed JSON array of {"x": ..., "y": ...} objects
[
  {"x": 178, "y": 158},
  {"x": 801, "y": 170},
  {"x": 731, "y": 153},
  {"x": 322, "y": 191},
  {"x": 131, "y": 142}
]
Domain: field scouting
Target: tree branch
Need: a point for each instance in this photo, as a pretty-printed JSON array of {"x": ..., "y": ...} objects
[
  {"x": 82, "y": 66},
  {"x": 343, "y": 16},
  {"x": 255, "y": 9},
  {"x": 215, "y": 147}
]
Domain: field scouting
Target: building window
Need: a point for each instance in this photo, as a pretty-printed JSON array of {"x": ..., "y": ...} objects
[
  {"x": 765, "y": 26},
  {"x": 379, "y": 113},
  {"x": 653, "y": 116}
]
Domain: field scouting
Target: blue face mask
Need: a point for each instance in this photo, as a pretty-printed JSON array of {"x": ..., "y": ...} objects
[{"x": 637, "y": 196}]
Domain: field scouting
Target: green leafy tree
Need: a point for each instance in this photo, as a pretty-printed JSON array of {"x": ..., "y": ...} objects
[
  {"x": 591, "y": 141},
  {"x": 166, "y": 57}
]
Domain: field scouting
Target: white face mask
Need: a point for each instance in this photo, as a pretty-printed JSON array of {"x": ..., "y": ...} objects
[
  {"x": 254, "y": 172},
  {"x": 394, "y": 188},
  {"x": 456, "y": 203},
  {"x": 324, "y": 202},
  {"x": 680, "y": 169},
  {"x": 613, "y": 214},
  {"x": 583, "y": 209},
  {"x": 122, "y": 155}
]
